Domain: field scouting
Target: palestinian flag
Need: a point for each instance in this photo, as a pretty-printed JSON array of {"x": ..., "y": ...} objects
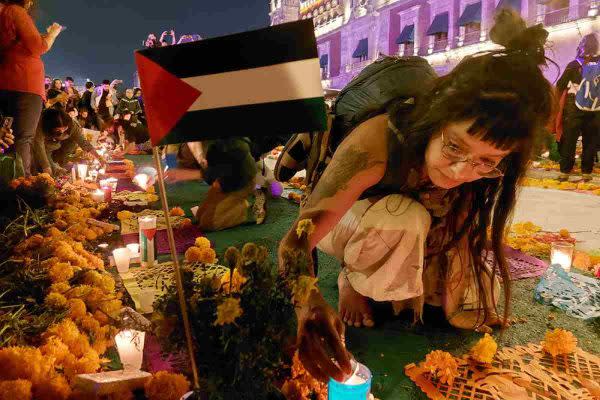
[{"x": 257, "y": 83}]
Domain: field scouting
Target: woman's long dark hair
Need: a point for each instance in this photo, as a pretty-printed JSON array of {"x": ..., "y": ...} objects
[{"x": 506, "y": 95}]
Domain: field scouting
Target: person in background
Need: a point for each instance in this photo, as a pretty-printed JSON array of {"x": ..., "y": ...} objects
[
  {"x": 85, "y": 119},
  {"x": 151, "y": 41},
  {"x": 107, "y": 86},
  {"x": 22, "y": 73},
  {"x": 105, "y": 108},
  {"x": 56, "y": 99},
  {"x": 129, "y": 105},
  {"x": 137, "y": 93},
  {"x": 73, "y": 113},
  {"x": 47, "y": 82},
  {"x": 163, "y": 42},
  {"x": 69, "y": 88},
  {"x": 57, "y": 138},
  {"x": 578, "y": 122},
  {"x": 86, "y": 97},
  {"x": 55, "y": 87}
]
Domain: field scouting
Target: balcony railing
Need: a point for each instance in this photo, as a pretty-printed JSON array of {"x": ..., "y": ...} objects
[
  {"x": 472, "y": 37},
  {"x": 562, "y": 15},
  {"x": 409, "y": 50}
]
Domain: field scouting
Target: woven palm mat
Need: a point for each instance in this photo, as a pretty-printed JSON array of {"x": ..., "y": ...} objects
[
  {"x": 519, "y": 373},
  {"x": 144, "y": 284},
  {"x": 131, "y": 225}
]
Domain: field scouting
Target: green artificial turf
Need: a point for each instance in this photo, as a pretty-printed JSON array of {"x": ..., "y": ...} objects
[{"x": 394, "y": 342}]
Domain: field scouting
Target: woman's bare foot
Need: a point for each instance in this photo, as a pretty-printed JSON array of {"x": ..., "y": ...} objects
[{"x": 353, "y": 307}]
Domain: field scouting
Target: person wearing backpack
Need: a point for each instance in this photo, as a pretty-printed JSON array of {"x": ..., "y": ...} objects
[
  {"x": 581, "y": 113},
  {"x": 22, "y": 73},
  {"x": 412, "y": 197}
]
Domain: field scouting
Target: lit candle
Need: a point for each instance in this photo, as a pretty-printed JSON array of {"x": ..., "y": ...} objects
[
  {"x": 82, "y": 171},
  {"x": 103, "y": 246},
  {"x": 356, "y": 387},
  {"x": 562, "y": 253},
  {"x": 134, "y": 248},
  {"x": 110, "y": 182},
  {"x": 141, "y": 180},
  {"x": 147, "y": 227},
  {"x": 122, "y": 257},
  {"x": 98, "y": 196},
  {"x": 107, "y": 193},
  {"x": 73, "y": 174},
  {"x": 130, "y": 345}
]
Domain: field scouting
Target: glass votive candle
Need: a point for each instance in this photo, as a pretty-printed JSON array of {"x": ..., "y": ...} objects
[
  {"x": 107, "y": 193},
  {"x": 122, "y": 257},
  {"x": 82, "y": 171},
  {"x": 98, "y": 196},
  {"x": 130, "y": 345},
  {"x": 356, "y": 387},
  {"x": 134, "y": 249},
  {"x": 561, "y": 253}
]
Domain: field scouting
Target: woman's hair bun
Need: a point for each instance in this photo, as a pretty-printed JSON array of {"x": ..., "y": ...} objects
[{"x": 510, "y": 31}]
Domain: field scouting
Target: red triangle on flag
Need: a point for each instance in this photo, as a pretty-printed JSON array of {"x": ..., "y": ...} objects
[{"x": 166, "y": 97}]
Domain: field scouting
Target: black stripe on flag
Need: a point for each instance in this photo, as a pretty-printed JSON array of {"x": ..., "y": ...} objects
[
  {"x": 277, "y": 44},
  {"x": 264, "y": 119}
]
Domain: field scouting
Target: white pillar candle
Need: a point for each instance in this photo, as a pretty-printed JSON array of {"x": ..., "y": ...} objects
[
  {"x": 98, "y": 196},
  {"x": 122, "y": 257},
  {"x": 147, "y": 227},
  {"x": 73, "y": 174},
  {"x": 82, "y": 171},
  {"x": 130, "y": 345},
  {"x": 134, "y": 248},
  {"x": 562, "y": 253}
]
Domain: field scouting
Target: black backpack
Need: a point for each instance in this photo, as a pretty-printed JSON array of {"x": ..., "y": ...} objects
[{"x": 387, "y": 80}]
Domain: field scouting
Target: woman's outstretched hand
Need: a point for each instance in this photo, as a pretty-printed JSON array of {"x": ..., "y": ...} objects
[{"x": 321, "y": 340}]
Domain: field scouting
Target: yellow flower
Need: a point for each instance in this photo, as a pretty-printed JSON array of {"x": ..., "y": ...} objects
[
  {"x": 305, "y": 226},
  {"x": 150, "y": 189},
  {"x": 16, "y": 389},
  {"x": 302, "y": 288},
  {"x": 204, "y": 255},
  {"x": 60, "y": 287},
  {"x": 25, "y": 363},
  {"x": 60, "y": 272},
  {"x": 564, "y": 234},
  {"x": 485, "y": 349},
  {"x": 124, "y": 215},
  {"x": 202, "y": 242},
  {"x": 166, "y": 386},
  {"x": 56, "y": 388},
  {"x": 559, "y": 342},
  {"x": 77, "y": 309},
  {"x": 151, "y": 198},
  {"x": 54, "y": 347},
  {"x": 441, "y": 365},
  {"x": 193, "y": 254},
  {"x": 228, "y": 311},
  {"x": 55, "y": 300},
  {"x": 235, "y": 282},
  {"x": 177, "y": 212}
]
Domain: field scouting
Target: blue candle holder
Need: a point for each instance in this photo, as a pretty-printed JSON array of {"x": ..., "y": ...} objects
[{"x": 357, "y": 387}]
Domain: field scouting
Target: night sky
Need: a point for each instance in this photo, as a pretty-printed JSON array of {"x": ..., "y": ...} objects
[{"x": 101, "y": 35}]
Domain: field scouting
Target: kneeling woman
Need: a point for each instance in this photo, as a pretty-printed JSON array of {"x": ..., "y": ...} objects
[
  {"x": 58, "y": 136},
  {"x": 406, "y": 201}
]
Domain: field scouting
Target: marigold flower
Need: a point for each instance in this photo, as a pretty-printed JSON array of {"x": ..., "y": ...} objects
[
  {"x": 305, "y": 226},
  {"x": 124, "y": 215},
  {"x": 302, "y": 288},
  {"x": 166, "y": 386},
  {"x": 60, "y": 287},
  {"x": 55, "y": 300},
  {"x": 559, "y": 342},
  {"x": 54, "y": 347},
  {"x": 25, "y": 363},
  {"x": 60, "y": 272},
  {"x": 56, "y": 388},
  {"x": 202, "y": 242},
  {"x": 177, "y": 212},
  {"x": 564, "y": 233},
  {"x": 484, "y": 350},
  {"x": 193, "y": 254},
  {"x": 441, "y": 365},
  {"x": 77, "y": 309},
  {"x": 15, "y": 389},
  {"x": 234, "y": 280},
  {"x": 151, "y": 198},
  {"x": 228, "y": 311}
]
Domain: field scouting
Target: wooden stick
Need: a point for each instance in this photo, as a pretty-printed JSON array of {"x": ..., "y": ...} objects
[{"x": 176, "y": 271}]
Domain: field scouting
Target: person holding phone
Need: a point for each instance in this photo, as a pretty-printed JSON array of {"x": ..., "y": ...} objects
[
  {"x": 6, "y": 135},
  {"x": 22, "y": 73}
]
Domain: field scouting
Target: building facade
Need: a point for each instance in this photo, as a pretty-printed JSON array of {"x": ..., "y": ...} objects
[{"x": 353, "y": 33}]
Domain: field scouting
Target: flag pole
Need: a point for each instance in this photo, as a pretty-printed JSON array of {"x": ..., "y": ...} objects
[{"x": 177, "y": 272}]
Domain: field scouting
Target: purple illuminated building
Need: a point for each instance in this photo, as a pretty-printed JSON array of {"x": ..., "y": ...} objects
[{"x": 353, "y": 33}]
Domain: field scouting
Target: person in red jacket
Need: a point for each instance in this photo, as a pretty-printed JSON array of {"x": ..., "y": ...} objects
[{"x": 22, "y": 72}]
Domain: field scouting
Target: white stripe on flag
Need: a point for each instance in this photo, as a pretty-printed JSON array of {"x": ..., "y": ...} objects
[{"x": 281, "y": 82}]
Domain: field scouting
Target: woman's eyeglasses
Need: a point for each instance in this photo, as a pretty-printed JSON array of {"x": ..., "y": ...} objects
[{"x": 458, "y": 155}]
